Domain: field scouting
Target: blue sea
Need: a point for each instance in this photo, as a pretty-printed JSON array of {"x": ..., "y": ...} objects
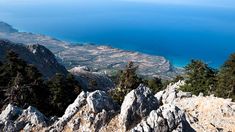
[{"x": 203, "y": 29}]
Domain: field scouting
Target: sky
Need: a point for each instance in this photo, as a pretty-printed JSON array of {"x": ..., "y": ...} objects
[{"x": 213, "y": 3}]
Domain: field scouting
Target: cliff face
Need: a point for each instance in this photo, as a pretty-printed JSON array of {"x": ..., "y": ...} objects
[
  {"x": 100, "y": 58},
  {"x": 37, "y": 55},
  {"x": 141, "y": 111}
]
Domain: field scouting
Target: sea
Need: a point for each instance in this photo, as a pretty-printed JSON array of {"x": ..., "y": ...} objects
[{"x": 178, "y": 31}]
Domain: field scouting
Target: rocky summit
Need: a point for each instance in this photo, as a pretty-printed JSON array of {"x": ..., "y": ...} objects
[{"x": 141, "y": 111}]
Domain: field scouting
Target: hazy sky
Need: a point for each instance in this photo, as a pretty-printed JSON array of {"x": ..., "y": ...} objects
[
  {"x": 212, "y": 3},
  {"x": 217, "y": 3}
]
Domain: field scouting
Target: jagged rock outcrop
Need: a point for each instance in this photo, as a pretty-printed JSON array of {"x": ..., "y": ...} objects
[
  {"x": 14, "y": 119},
  {"x": 171, "y": 93},
  {"x": 140, "y": 112},
  {"x": 206, "y": 114},
  {"x": 37, "y": 55},
  {"x": 90, "y": 80},
  {"x": 137, "y": 105},
  {"x": 99, "y": 100},
  {"x": 89, "y": 112},
  {"x": 167, "y": 118}
]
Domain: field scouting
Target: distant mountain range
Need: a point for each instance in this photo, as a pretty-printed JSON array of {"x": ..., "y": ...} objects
[{"x": 98, "y": 58}]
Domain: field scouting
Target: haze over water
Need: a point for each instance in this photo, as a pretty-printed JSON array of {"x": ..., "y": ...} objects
[{"x": 177, "y": 29}]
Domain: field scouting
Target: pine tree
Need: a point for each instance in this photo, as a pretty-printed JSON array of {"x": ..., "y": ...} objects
[
  {"x": 226, "y": 79},
  {"x": 199, "y": 78},
  {"x": 128, "y": 81},
  {"x": 63, "y": 91},
  {"x": 155, "y": 84}
]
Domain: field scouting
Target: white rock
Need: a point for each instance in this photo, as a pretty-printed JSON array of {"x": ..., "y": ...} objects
[
  {"x": 99, "y": 100},
  {"x": 136, "y": 105},
  {"x": 11, "y": 112}
]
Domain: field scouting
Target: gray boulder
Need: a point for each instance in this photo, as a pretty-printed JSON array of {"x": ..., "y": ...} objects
[
  {"x": 171, "y": 93},
  {"x": 11, "y": 112},
  {"x": 167, "y": 118},
  {"x": 31, "y": 116},
  {"x": 99, "y": 100},
  {"x": 15, "y": 119},
  {"x": 137, "y": 105}
]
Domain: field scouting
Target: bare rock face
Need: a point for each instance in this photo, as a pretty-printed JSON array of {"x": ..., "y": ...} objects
[
  {"x": 209, "y": 114},
  {"x": 171, "y": 93},
  {"x": 10, "y": 113},
  {"x": 15, "y": 119},
  {"x": 89, "y": 112},
  {"x": 137, "y": 105},
  {"x": 167, "y": 118},
  {"x": 90, "y": 80},
  {"x": 140, "y": 112},
  {"x": 206, "y": 114},
  {"x": 99, "y": 100}
]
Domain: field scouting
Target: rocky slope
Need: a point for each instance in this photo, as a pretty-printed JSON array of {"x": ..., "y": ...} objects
[
  {"x": 99, "y": 58},
  {"x": 37, "y": 55},
  {"x": 92, "y": 80},
  {"x": 141, "y": 111}
]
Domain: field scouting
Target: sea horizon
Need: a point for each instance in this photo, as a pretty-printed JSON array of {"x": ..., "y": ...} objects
[{"x": 177, "y": 32}]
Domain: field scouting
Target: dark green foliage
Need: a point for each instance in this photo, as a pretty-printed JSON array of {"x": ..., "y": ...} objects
[
  {"x": 226, "y": 79},
  {"x": 63, "y": 91},
  {"x": 177, "y": 78},
  {"x": 155, "y": 84},
  {"x": 22, "y": 85},
  {"x": 128, "y": 81},
  {"x": 199, "y": 78}
]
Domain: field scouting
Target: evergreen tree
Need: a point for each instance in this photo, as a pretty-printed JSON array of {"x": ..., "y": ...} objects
[
  {"x": 199, "y": 78},
  {"x": 21, "y": 83},
  {"x": 155, "y": 84},
  {"x": 226, "y": 79},
  {"x": 63, "y": 91},
  {"x": 128, "y": 81}
]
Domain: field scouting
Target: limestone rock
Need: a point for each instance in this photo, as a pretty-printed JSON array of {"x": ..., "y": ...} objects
[
  {"x": 170, "y": 94},
  {"x": 15, "y": 119},
  {"x": 11, "y": 112},
  {"x": 99, "y": 101},
  {"x": 166, "y": 118},
  {"x": 137, "y": 105},
  {"x": 70, "y": 112}
]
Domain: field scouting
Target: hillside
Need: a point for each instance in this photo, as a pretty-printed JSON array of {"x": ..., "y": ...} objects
[{"x": 37, "y": 55}]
